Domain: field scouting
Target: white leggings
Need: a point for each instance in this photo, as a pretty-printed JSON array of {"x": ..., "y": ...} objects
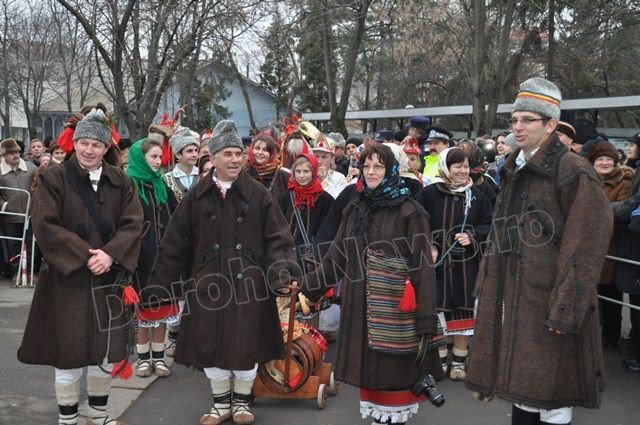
[
  {"x": 69, "y": 376},
  {"x": 554, "y": 416},
  {"x": 217, "y": 374}
]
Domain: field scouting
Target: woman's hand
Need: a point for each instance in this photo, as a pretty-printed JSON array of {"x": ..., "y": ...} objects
[
  {"x": 463, "y": 239},
  {"x": 434, "y": 254}
]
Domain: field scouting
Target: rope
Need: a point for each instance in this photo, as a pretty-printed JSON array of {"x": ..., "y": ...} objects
[{"x": 467, "y": 207}]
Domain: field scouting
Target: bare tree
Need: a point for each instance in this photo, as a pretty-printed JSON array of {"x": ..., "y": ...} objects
[
  {"x": 74, "y": 59},
  {"x": 140, "y": 45},
  {"x": 6, "y": 22},
  {"x": 30, "y": 57}
]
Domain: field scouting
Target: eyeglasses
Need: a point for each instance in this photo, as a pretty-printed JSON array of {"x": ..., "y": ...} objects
[
  {"x": 377, "y": 168},
  {"x": 526, "y": 120}
]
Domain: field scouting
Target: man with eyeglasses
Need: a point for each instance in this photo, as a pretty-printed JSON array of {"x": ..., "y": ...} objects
[{"x": 537, "y": 337}]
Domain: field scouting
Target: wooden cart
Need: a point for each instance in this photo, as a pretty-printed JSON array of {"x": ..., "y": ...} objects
[{"x": 318, "y": 384}]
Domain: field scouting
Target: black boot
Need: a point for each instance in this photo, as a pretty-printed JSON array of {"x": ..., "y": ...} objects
[{"x": 522, "y": 417}]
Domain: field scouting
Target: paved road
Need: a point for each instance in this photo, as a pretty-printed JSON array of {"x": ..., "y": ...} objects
[{"x": 26, "y": 393}]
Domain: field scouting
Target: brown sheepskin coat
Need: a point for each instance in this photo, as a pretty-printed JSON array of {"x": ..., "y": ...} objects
[
  {"x": 550, "y": 221},
  {"x": 68, "y": 322},
  {"x": 237, "y": 251}
]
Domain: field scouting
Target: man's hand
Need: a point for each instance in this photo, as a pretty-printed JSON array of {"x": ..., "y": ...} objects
[
  {"x": 556, "y": 331},
  {"x": 100, "y": 262}
]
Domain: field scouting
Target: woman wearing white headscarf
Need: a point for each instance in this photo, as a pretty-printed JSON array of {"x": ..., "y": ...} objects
[{"x": 460, "y": 220}]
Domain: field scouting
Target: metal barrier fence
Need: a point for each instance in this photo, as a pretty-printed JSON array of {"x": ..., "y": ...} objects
[
  {"x": 627, "y": 261},
  {"x": 22, "y": 280}
]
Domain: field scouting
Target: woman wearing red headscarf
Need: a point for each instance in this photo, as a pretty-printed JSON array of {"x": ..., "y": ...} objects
[
  {"x": 305, "y": 204},
  {"x": 262, "y": 165}
]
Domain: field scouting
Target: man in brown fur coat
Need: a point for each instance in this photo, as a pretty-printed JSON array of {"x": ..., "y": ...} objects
[{"x": 537, "y": 340}]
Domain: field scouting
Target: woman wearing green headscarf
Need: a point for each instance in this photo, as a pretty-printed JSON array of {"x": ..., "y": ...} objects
[{"x": 158, "y": 203}]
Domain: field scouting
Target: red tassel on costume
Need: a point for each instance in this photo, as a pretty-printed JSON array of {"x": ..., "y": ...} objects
[
  {"x": 129, "y": 295},
  {"x": 65, "y": 140},
  {"x": 122, "y": 370},
  {"x": 408, "y": 301},
  {"x": 166, "y": 154},
  {"x": 330, "y": 293}
]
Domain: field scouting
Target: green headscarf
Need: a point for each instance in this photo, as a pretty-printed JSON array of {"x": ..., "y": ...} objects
[{"x": 141, "y": 173}]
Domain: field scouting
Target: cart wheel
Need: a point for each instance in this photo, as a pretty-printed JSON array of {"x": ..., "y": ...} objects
[
  {"x": 322, "y": 396},
  {"x": 333, "y": 385}
]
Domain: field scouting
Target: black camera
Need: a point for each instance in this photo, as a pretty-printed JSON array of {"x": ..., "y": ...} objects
[{"x": 427, "y": 385}]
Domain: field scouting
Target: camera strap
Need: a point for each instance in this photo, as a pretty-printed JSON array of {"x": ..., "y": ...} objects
[{"x": 296, "y": 213}]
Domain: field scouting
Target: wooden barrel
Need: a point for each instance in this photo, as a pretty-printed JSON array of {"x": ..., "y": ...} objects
[{"x": 306, "y": 359}]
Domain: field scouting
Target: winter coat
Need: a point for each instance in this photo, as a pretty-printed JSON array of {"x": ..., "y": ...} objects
[
  {"x": 331, "y": 223},
  {"x": 69, "y": 314},
  {"x": 275, "y": 183},
  {"x": 156, "y": 220},
  {"x": 617, "y": 186},
  {"x": 237, "y": 251},
  {"x": 627, "y": 277},
  {"x": 406, "y": 224},
  {"x": 13, "y": 200},
  {"x": 456, "y": 277},
  {"x": 541, "y": 270}
]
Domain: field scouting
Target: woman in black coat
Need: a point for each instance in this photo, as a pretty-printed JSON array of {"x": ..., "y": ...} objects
[
  {"x": 306, "y": 196},
  {"x": 460, "y": 221},
  {"x": 158, "y": 203}
]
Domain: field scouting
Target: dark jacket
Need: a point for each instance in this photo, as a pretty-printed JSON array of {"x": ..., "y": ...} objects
[
  {"x": 276, "y": 183},
  {"x": 407, "y": 225},
  {"x": 627, "y": 277},
  {"x": 311, "y": 219},
  {"x": 541, "y": 270},
  {"x": 156, "y": 220},
  {"x": 69, "y": 314},
  {"x": 342, "y": 165},
  {"x": 456, "y": 276},
  {"x": 617, "y": 186},
  {"x": 240, "y": 252}
]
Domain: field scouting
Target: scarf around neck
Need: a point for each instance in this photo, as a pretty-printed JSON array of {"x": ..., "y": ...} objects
[
  {"x": 262, "y": 170},
  {"x": 390, "y": 191},
  {"x": 445, "y": 174},
  {"x": 306, "y": 195},
  {"x": 140, "y": 172}
]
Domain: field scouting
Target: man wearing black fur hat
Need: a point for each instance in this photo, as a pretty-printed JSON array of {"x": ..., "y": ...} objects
[
  {"x": 88, "y": 221},
  {"x": 537, "y": 337},
  {"x": 232, "y": 237}
]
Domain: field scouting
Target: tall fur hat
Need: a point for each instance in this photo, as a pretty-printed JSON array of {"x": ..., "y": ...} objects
[
  {"x": 225, "y": 135},
  {"x": 94, "y": 126}
]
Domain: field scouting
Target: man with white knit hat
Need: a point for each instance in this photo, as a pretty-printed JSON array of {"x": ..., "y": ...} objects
[
  {"x": 232, "y": 236},
  {"x": 537, "y": 337},
  {"x": 184, "y": 144}
]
